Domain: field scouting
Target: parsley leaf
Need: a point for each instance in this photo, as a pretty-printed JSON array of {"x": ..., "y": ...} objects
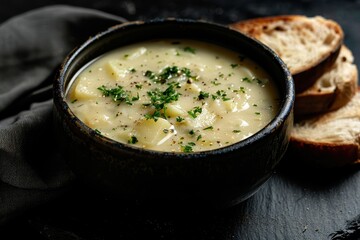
[
  {"x": 203, "y": 95},
  {"x": 188, "y": 147},
  {"x": 159, "y": 99},
  {"x": 250, "y": 80},
  {"x": 220, "y": 94},
  {"x": 189, "y": 49},
  {"x": 215, "y": 82},
  {"x": 179, "y": 119},
  {"x": 133, "y": 140},
  {"x": 169, "y": 73},
  {"x": 195, "y": 112},
  {"x": 118, "y": 94}
]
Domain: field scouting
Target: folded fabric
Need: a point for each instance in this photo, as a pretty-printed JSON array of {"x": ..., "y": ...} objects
[{"x": 32, "y": 46}]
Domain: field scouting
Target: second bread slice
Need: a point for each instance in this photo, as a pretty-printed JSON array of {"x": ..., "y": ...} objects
[
  {"x": 308, "y": 46},
  {"x": 332, "y": 90}
]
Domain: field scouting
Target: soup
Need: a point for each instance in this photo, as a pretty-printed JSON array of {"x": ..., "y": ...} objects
[{"x": 174, "y": 96}]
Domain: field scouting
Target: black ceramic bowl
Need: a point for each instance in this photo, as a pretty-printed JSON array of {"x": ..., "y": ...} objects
[{"x": 221, "y": 177}]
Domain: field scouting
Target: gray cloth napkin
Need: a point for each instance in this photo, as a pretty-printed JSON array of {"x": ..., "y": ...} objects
[{"x": 32, "y": 46}]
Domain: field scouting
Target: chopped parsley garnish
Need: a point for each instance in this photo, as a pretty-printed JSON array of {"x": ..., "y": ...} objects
[
  {"x": 215, "y": 82},
  {"x": 198, "y": 138},
  {"x": 209, "y": 128},
  {"x": 187, "y": 72},
  {"x": 188, "y": 147},
  {"x": 203, "y": 95},
  {"x": 133, "y": 140},
  {"x": 179, "y": 119},
  {"x": 132, "y": 70},
  {"x": 234, "y": 65},
  {"x": 246, "y": 79},
  {"x": 250, "y": 80},
  {"x": 150, "y": 74},
  {"x": 220, "y": 94},
  {"x": 236, "y": 131},
  {"x": 257, "y": 113},
  {"x": 118, "y": 94},
  {"x": 169, "y": 73},
  {"x": 190, "y": 50},
  {"x": 191, "y": 132},
  {"x": 135, "y": 98},
  {"x": 73, "y": 101},
  {"x": 97, "y": 131},
  {"x": 159, "y": 99},
  {"x": 195, "y": 112},
  {"x": 138, "y": 86},
  {"x": 241, "y": 89},
  {"x": 156, "y": 115}
]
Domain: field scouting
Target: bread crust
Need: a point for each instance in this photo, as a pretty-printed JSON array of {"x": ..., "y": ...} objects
[
  {"x": 305, "y": 74},
  {"x": 308, "y": 76},
  {"x": 343, "y": 76},
  {"x": 323, "y": 154}
]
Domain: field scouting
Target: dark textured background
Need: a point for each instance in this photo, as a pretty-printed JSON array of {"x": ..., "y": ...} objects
[
  {"x": 346, "y": 12},
  {"x": 294, "y": 204}
]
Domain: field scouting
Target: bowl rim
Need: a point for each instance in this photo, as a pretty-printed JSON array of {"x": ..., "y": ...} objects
[{"x": 59, "y": 93}]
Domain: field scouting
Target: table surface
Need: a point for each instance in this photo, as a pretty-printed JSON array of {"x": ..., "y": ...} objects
[{"x": 296, "y": 203}]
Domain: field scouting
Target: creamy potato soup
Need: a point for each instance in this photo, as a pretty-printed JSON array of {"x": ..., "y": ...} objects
[{"x": 174, "y": 96}]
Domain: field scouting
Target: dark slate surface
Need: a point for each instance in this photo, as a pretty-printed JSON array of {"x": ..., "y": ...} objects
[{"x": 295, "y": 203}]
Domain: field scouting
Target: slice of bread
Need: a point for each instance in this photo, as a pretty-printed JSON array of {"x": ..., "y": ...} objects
[
  {"x": 308, "y": 46},
  {"x": 329, "y": 140},
  {"x": 332, "y": 90}
]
